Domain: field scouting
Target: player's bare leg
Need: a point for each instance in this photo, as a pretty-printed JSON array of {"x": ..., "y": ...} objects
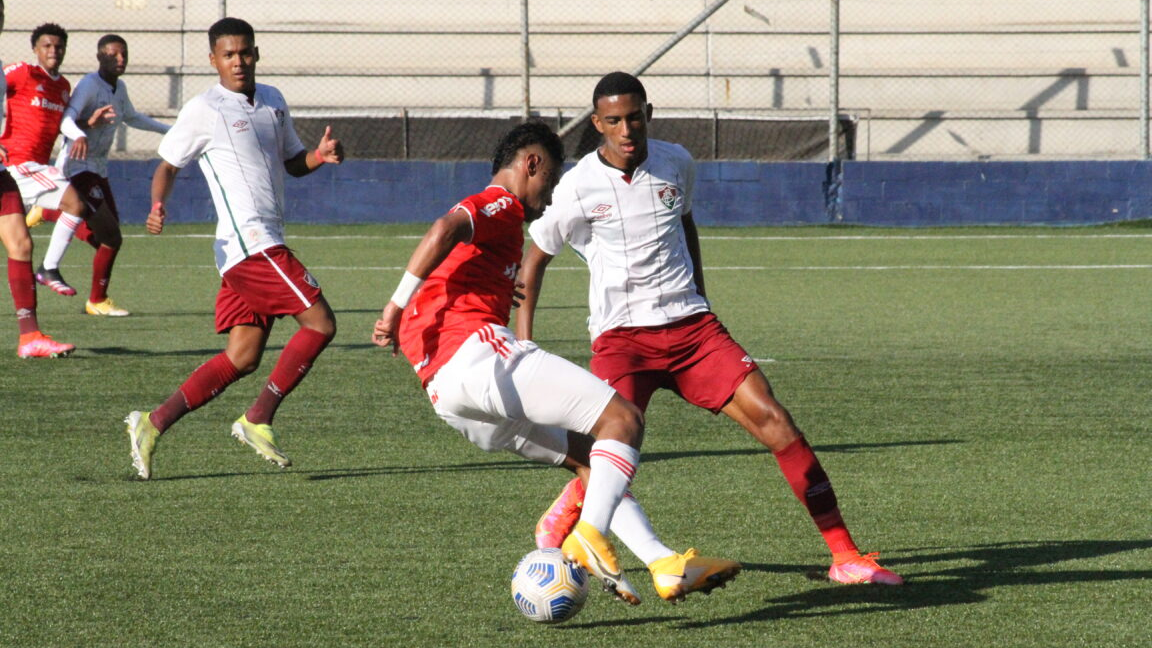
[{"x": 755, "y": 408}]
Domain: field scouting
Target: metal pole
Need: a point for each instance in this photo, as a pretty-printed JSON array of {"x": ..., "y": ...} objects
[
  {"x": 655, "y": 56},
  {"x": 834, "y": 81},
  {"x": 1144, "y": 153},
  {"x": 525, "y": 79}
]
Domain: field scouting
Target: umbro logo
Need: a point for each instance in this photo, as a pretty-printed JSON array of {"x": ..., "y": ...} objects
[
  {"x": 601, "y": 211},
  {"x": 240, "y": 126}
]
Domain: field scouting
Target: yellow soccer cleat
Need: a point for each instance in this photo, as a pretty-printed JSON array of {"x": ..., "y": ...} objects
[
  {"x": 261, "y": 438},
  {"x": 34, "y": 217},
  {"x": 678, "y": 575},
  {"x": 142, "y": 437},
  {"x": 587, "y": 547},
  {"x": 105, "y": 308}
]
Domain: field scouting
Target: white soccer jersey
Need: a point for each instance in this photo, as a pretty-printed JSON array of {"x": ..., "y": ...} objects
[
  {"x": 242, "y": 148},
  {"x": 91, "y": 93},
  {"x": 630, "y": 234}
]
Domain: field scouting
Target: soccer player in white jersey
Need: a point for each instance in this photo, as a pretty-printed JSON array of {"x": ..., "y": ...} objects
[
  {"x": 626, "y": 208},
  {"x": 98, "y": 105},
  {"x": 450, "y": 315},
  {"x": 243, "y": 137}
]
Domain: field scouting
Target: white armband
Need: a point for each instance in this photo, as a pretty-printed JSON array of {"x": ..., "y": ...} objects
[{"x": 409, "y": 284}]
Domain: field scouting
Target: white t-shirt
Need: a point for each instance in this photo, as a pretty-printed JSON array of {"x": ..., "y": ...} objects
[
  {"x": 242, "y": 148},
  {"x": 631, "y": 236},
  {"x": 93, "y": 92}
]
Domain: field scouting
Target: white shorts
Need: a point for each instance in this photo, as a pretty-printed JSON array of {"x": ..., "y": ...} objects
[
  {"x": 39, "y": 184},
  {"x": 507, "y": 394}
]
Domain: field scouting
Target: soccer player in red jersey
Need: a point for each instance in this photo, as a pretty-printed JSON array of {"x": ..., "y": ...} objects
[
  {"x": 37, "y": 96},
  {"x": 21, "y": 282},
  {"x": 450, "y": 316},
  {"x": 626, "y": 208},
  {"x": 242, "y": 135}
]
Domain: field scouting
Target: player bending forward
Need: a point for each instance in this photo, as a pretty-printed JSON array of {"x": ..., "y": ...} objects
[
  {"x": 244, "y": 139},
  {"x": 626, "y": 208},
  {"x": 450, "y": 315}
]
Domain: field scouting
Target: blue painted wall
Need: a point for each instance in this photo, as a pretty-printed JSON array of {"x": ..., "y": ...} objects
[{"x": 903, "y": 194}]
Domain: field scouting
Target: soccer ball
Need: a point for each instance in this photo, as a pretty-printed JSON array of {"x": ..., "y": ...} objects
[{"x": 547, "y": 588}]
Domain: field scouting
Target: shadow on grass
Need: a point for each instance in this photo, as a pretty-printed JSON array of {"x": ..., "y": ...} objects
[
  {"x": 1006, "y": 564},
  {"x": 125, "y": 351},
  {"x": 742, "y": 452}
]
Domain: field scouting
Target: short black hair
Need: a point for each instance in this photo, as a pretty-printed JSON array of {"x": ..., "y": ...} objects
[
  {"x": 524, "y": 135},
  {"x": 230, "y": 27},
  {"x": 108, "y": 39},
  {"x": 49, "y": 29},
  {"x": 618, "y": 83}
]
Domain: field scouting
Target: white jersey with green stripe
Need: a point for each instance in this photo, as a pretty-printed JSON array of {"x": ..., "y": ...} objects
[{"x": 241, "y": 147}]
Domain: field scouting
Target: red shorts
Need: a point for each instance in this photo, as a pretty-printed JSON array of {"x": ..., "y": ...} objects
[
  {"x": 10, "y": 200},
  {"x": 694, "y": 357},
  {"x": 263, "y": 287},
  {"x": 95, "y": 191}
]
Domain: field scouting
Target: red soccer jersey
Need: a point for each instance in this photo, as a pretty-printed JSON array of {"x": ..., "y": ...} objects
[
  {"x": 36, "y": 103},
  {"x": 471, "y": 288}
]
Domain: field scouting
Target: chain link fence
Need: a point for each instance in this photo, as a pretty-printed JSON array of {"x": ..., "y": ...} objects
[{"x": 731, "y": 79}]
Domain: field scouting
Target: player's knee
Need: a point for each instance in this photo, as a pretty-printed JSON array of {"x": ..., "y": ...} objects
[
  {"x": 622, "y": 421},
  {"x": 19, "y": 248}
]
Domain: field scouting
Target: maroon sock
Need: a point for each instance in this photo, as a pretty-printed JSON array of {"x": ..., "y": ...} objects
[
  {"x": 205, "y": 383},
  {"x": 810, "y": 484},
  {"x": 102, "y": 273},
  {"x": 294, "y": 363},
  {"x": 22, "y": 283}
]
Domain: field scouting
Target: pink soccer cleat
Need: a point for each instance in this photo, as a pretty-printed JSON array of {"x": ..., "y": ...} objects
[
  {"x": 38, "y": 345},
  {"x": 558, "y": 520},
  {"x": 862, "y": 569}
]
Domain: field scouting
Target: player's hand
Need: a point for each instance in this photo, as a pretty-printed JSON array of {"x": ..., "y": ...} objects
[
  {"x": 386, "y": 332},
  {"x": 155, "y": 222},
  {"x": 3, "y": 155},
  {"x": 330, "y": 150},
  {"x": 79, "y": 149},
  {"x": 102, "y": 115},
  {"x": 518, "y": 294}
]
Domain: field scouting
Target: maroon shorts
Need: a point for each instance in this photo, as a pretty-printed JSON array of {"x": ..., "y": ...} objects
[
  {"x": 267, "y": 285},
  {"x": 694, "y": 357},
  {"x": 10, "y": 200},
  {"x": 95, "y": 191}
]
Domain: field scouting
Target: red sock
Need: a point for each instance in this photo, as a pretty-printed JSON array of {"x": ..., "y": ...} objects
[
  {"x": 294, "y": 363},
  {"x": 102, "y": 273},
  {"x": 22, "y": 283},
  {"x": 205, "y": 383},
  {"x": 810, "y": 484}
]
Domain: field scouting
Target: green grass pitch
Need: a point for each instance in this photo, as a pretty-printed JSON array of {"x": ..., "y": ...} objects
[{"x": 980, "y": 398}]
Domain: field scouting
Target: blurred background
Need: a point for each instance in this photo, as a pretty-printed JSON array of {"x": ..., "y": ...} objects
[{"x": 734, "y": 79}]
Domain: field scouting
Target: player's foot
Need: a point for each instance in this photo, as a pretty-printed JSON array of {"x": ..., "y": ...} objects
[
  {"x": 587, "y": 547},
  {"x": 106, "y": 308},
  {"x": 862, "y": 569},
  {"x": 678, "y": 575},
  {"x": 559, "y": 519},
  {"x": 34, "y": 217},
  {"x": 54, "y": 280},
  {"x": 39, "y": 345},
  {"x": 261, "y": 438},
  {"x": 142, "y": 437}
]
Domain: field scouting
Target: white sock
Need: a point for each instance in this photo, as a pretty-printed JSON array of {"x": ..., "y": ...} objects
[
  {"x": 613, "y": 464},
  {"x": 61, "y": 237},
  {"x": 631, "y": 525}
]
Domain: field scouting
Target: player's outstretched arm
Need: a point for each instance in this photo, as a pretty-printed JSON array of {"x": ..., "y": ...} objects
[
  {"x": 448, "y": 230},
  {"x": 532, "y": 277},
  {"x": 329, "y": 151},
  {"x": 693, "y": 240},
  {"x": 162, "y": 181}
]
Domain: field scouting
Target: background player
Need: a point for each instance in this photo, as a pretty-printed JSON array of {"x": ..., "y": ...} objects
[
  {"x": 450, "y": 316},
  {"x": 18, "y": 245},
  {"x": 99, "y": 104},
  {"x": 626, "y": 208},
  {"x": 234, "y": 130},
  {"x": 37, "y": 96}
]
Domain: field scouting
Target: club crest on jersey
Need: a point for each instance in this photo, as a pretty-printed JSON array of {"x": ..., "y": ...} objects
[
  {"x": 310, "y": 280},
  {"x": 601, "y": 212},
  {"x": 668, "y": 195}
]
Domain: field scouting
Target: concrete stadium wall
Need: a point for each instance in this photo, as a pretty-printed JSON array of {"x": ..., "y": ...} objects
[{"x": 899, "y": 194}]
